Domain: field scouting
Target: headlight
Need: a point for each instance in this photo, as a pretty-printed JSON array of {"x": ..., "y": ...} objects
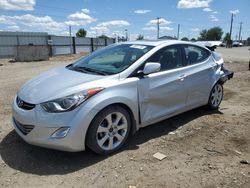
[{"x": 70, "y": 102}]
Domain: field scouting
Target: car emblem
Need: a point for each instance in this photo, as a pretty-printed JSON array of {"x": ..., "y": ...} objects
[{"x": 20, "y": 103}]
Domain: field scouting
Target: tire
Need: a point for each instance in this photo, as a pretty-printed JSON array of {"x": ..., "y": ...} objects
[
  {"x": 216, "y": 96},
  {"x": 109, "y": 130}
]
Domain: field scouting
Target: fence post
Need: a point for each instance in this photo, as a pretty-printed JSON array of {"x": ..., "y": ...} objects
[
  {"x": 18, "y": 44},
  {"x": 50, "y": 46},
  {"x": 106, "y": 42},
  {"x": 74, "y": 45},
  {"x": 92, "y": 44}
]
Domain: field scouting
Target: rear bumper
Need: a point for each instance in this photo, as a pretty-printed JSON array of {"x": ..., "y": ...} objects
[{"x": 226, "y": 75}]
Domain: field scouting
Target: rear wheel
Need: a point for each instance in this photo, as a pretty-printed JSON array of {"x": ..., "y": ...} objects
[
  {"x": 216, "y": 96},
  {"x": 109, "y": 130}
]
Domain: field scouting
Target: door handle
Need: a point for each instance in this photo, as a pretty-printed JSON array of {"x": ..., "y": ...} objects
[{"x": 182, "y": 77}]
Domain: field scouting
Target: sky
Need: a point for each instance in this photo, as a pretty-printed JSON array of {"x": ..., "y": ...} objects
[{"x": 114, "y": 17}]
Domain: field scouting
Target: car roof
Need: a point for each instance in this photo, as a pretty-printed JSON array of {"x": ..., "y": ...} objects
[{"x": 156, "y": 42}]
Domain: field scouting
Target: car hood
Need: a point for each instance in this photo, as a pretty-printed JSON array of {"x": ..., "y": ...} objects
[{"x": 60, "y": 82}]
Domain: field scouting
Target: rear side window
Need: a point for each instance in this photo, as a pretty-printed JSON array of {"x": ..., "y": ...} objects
[{"x": 195, "y": 54}]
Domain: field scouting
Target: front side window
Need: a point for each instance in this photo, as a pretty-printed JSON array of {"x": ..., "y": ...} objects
[
  {"x": 111, "y": 60},
  {"x": 169, "y": 57},
  {"x": 195, "y": 54}
]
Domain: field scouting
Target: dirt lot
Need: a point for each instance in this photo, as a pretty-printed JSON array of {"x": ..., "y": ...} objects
[{"x": 204, "y": 148}]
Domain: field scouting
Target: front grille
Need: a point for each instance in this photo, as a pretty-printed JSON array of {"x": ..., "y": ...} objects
[
  {"x": 24, "y": 105},
  {"x": 25, "y": 129}
]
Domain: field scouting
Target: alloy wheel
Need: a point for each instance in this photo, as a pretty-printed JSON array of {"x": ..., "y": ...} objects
[
  {"x": 112, "y": 131},
  {"x": 216, "y": 95}
]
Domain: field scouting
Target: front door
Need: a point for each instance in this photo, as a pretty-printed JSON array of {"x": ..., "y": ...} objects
[{"x": 163, "y": 93}]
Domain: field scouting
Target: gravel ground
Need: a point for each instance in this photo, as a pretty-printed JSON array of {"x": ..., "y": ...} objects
[{"x": 203, "y": 148}]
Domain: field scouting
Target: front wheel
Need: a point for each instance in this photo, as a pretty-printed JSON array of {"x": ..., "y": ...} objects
[
  {"x": 216, "y": 96},
  {"x": 109, "y": 130}
]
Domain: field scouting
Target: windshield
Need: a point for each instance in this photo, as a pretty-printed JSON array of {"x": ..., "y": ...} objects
[{"x": 111, "y": 60}]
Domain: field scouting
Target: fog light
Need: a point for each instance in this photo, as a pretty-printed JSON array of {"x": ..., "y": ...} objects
[{"x": 61, "y": 132}]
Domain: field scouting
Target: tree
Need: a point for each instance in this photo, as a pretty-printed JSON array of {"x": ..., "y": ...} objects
[
  {"x": 140, "y": 37},
  {"x": 227, "y": 37},
  {"x": 214, "y": 33},
  {"x": 185, "y": 39},
  {"x": 193, "y": 39},
  {"x": 203, "y": 35},
  {"x": 81, "y": 33}
]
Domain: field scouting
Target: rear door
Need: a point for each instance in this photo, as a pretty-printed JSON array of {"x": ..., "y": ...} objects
[
  {"x": 163, "y": 93},
  {"x": 199, "y": 72}
]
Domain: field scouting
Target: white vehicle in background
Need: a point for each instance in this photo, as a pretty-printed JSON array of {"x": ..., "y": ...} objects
[
  {"x": 211, "y": 45},
  {"x": 237, "y": 44}
]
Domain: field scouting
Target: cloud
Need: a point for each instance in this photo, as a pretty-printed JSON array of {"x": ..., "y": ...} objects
[
  {"x": 207, "y": 10},
  {"x": 30, "y": 22},
  {"x": 162, "y": 21},
  {"x": 86, "y": 11},
  {"x": 80, "y": 18},
  {"x": 2, "y": 20},
  {"x": 213, "y": 18},
  {"x": 104, "y": 28},
  {"x": 114, "y": 23},
  {"x": 142, "y": 11},
  {"x": 25, "y": 5},
  {"x": 164, "y": 28},
  {"x": 13, "y": 28},
  {"x": 44, "y": 23},
  {"x": 95, "y": 31},
  {"x": 184, "y": 4},
  {"x": 215, "y": 12},
  {"x": 234, "y": 11},
  {"x": 99, "y": 29},
  {"x": 149, "y": 28},
  {"x": 195, "y": 29}
]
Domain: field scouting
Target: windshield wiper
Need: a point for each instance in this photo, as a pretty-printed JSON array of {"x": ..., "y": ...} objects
[
  {"x": 87, "y": 70},
  {"x": 94, "y": 71}
]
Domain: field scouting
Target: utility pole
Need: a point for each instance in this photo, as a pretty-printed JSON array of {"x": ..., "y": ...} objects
[
  {"x": 70, "y": 30},
  {"x": 240, "y": 31},
  {"x": 178, "y": 33},
  {"x": 70, "y": 39},
  {"x": 158, "y": 27},
  {"x": 126, "y": 34},
  {"x": 231, "y": 25}
]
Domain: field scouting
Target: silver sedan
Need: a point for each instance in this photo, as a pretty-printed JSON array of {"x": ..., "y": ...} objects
[{"x": 101, "y": 99}]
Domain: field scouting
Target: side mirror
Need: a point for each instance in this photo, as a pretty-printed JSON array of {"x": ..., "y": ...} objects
[{"x": 151, "y": 67}]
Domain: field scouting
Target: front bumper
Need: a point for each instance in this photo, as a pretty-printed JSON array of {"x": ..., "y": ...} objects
[{"x": 38, "y": 126}]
